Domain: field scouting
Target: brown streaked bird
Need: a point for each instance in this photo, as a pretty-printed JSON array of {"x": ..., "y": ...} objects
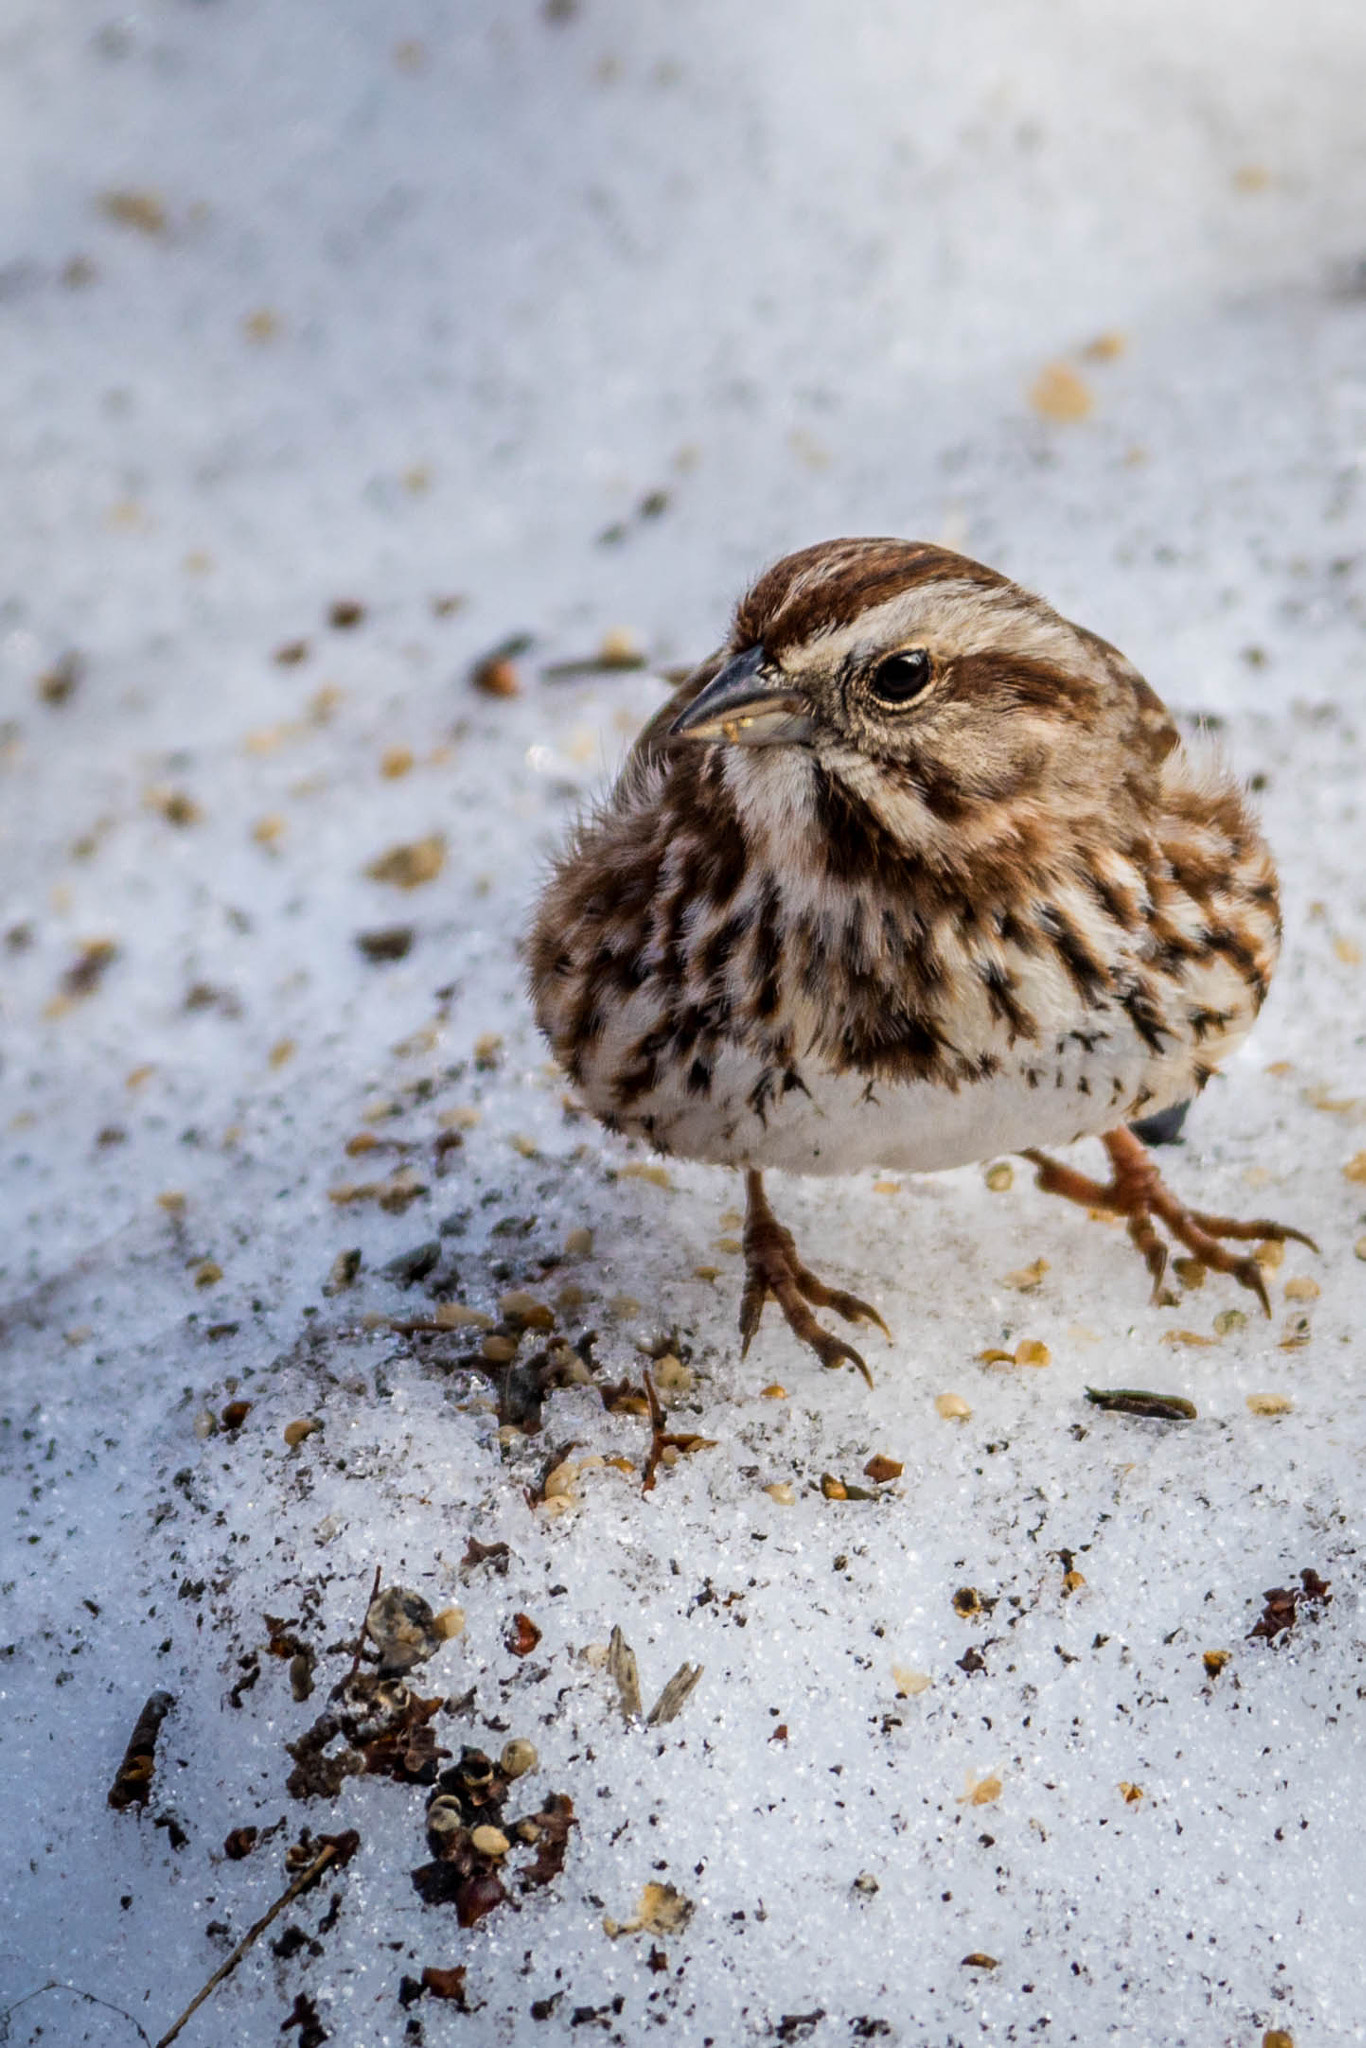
[{"x": 911, "y": 873}]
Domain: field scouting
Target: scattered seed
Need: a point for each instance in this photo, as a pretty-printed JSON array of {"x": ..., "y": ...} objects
[
  {"x": 59, "y": 682},
  {"x": 1270, "y": 1404},
  {"x": 488, "y": 1051},
  {"x": 345, "y": 613},
  {"x": 1270, "y": 1256},
  {"x": 1131, "y": 1793},
  {"x": 402, "y": 1627},
  {"x": 782, "y": 1491},
  {"x": 391, "y": 942},
  {"x": 1135, "y": 1401},
  {"x": 489, "y": 1841},
  {"x": 579, "y": 1241},
  {"x": 453, "y": 1315},
  {"x": 1058, "y": 393},
  {"x": 449, "y": 1623},
  {"x": 1194, "y": 1339},
  {"x": 559, "y": 1483},
  {"x": 672, "y": 1376},
  {"x": 90, "y": 966},
  {"x": 134, "y": 207},
  {"x": 774, "y": 1392},
  {"x": 519, "y": 1756},
  {"x": 832, "y": 1488},
  {"x": 1000, "y": 1176},
  {"x": 409, "y": 866},
  {"x": 207, "y": 1273},
  {"x": 495, "y": 675},
  {"x": 952, "y": 1407},
  {"x": 297, "y": 1432},
  {"x": 979, "y": 1960},
  {"x": 910, "y": 1684},
  {"x": 881, "y": 1469},
  {"x": 1025, "y": 1279},
  {"x": 1106, "y": 347},
  {"x": 1190, "y": 1272},
  {"x": 345, "y": 1267},
  {"x": 235, "y": 1414},
  {"x": 1029, "y": 1351},
  {"x": 1230, "y": 1319},
  {"x": 981, "y": 1791},
  {"x": 522, "y": 1636},
  {"x": 644, "y": 1169},
  {"x": 1302, "y": 1288},
  {"x": 1214, "y": 1661},
  {"x": 517, "y": 1306}
]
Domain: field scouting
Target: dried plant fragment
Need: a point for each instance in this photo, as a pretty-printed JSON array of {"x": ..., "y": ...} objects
[
  {"x": 662, "y": 1910},
  {"x": 624, "y": 1674},
  {"x": 1282, "y": 1605},
  {"x": 133, "y": 1780},
  {"x": 675, "y": 1696},
  {"x": 447, "y": 1984},
  {"x": 1136, "y": 1401}
]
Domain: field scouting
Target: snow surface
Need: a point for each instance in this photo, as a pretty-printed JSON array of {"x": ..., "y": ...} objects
[{"x": 582, "y": 320}]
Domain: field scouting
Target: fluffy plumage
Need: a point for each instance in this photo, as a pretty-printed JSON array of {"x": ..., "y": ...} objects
[{"x": 912, "y": 871}]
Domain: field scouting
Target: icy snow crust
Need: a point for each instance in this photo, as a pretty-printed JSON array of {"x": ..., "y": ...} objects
[{"x": 508, "y": 275}]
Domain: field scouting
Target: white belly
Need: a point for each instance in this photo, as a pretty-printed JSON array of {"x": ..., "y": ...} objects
[{"x": 845, "y": 1124}]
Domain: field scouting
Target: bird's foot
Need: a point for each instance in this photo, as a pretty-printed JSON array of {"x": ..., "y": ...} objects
[
  {"x": 1137, "y": 1191},
  {"x": 772, "y": 1267}
]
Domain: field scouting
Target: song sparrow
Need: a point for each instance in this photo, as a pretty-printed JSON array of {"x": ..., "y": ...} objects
[{"x": 911, "y": 872}]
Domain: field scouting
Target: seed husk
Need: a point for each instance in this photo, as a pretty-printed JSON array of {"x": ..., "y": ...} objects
[{"x": 1137, "y": 1401}]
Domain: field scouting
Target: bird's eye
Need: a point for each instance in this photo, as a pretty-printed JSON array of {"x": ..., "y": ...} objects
[{"x": 900, "y": 678}]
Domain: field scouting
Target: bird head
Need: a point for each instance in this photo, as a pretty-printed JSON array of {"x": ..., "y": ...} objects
[{"x": 914, "y": 675}]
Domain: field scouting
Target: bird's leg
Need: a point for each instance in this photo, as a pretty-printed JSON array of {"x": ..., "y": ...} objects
[
  {"x": 1137, "y": 1191},
  {"x": 773, "y": 1268}
]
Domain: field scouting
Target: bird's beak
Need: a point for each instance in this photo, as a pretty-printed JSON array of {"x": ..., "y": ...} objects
[{"x": 744, "y": 705}]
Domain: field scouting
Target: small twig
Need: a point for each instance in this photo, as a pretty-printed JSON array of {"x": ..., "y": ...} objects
[
  {"x": 662, "y": 1439},
  {"x": 360, "y": 1640},
  {"x": 301, "y": 1883}
]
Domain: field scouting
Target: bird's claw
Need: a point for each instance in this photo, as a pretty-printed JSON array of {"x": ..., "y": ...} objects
[
  {"x": 1138, "y": 1192},
  {"x": 772, "y": 1268}
]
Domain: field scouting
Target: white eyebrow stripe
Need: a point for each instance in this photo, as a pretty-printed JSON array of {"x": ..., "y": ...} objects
[{"x": 958, "y": 618}]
